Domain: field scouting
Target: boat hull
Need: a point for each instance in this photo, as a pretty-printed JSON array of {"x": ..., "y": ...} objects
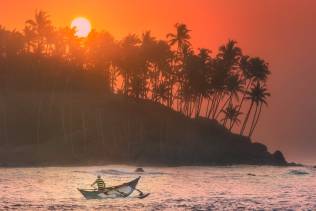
[{"x": 119, "y": 191}]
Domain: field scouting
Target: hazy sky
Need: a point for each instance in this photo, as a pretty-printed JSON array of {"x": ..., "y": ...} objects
[{"x": 281, "y": 31}]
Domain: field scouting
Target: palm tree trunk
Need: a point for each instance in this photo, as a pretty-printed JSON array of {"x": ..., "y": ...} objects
[
  {"x": 217, "y": 104},
  {"x": 228, "y": 100},
  {"x": 84, "y": 130},
  {"x": 52, "y": 97},
  {"x": 207, "y": 106},
  {"x": 246, "y": 119},
  {"x": 177, "y": 105},
  {"x": 214, "y": 99},
  {"x": 256, "y": 122},
  {"x": 231, "y": 125},
  {"x": 253, "y": 118},
  {"x": 242, "y": 100},
  {"x": 5, "y": 125},
  {"x": 224, "y": 123},
  {"x": 101, "y": 128},
  {"x": 39, "y": 110},
  {"x": 199, "y": 105},
  {"x": 63, "y": 123},
  {"x": 192, "y": 107},
  {"x": 71, "y": 127}
]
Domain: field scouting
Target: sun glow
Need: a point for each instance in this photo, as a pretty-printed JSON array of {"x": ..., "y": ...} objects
[{"x": 82, "y": 26}]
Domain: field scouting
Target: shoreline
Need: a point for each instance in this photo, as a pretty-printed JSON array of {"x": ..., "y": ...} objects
[
  {"x": 141, "y": 164},
  {"x": 80, "y": 130}
]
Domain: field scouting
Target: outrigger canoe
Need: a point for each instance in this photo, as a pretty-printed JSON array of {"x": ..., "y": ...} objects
[{"x": 119, "y": 191}]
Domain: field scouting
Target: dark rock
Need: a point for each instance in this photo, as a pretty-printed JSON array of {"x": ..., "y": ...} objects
[
  {"x": 298, "y": 172},
  {"x": 139, "y": 170},
  {"x": 279, "y": 158},
  {"x": 250, "y": 174},
  {"x": 4, "y": 165},
  {"x": 260, "y": 147},
  {"x": 294, "y": 164}
]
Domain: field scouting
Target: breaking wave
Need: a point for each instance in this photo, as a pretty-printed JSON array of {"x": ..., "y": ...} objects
[
  {"x": 121, "y": 172},
  {"x": 298, "y": 172}
]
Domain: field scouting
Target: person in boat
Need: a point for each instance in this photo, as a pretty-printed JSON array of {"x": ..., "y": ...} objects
[{"x": 100, "y": 183}]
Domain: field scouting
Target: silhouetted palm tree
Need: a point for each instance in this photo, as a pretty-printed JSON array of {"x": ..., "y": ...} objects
[
  {"x": 231, "y": 114},
  {"x": 100, "y": 52},
  {"x": 234, "y": 86},
  {"x": 226, "y": 62},
  {"x": 128, "y": 60},
  {"x": 230, "y": 53},
  {"x": 254, "y": 70},
  {"x": 262, "y": 102},
  {"x": 257, "y": 95},
  {"x": 41, "y": 29},
  {"x": 161, "y": 93},
  {"x": 180, "y": 38}
]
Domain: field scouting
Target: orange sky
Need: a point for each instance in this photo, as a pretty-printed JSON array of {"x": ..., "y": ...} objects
[{"x": 281, "y": 31}]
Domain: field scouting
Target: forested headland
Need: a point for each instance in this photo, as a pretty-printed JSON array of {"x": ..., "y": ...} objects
[{"x": 65, "y": 99}]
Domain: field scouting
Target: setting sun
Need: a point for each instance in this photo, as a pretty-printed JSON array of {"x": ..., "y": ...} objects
[{"x": 82, "y": 26}]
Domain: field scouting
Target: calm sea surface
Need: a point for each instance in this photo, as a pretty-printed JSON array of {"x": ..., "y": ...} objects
[{"x": 171, "y": 188}]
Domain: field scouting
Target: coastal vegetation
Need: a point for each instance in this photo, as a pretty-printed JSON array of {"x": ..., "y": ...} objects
[{"x": 56, "y": 87}]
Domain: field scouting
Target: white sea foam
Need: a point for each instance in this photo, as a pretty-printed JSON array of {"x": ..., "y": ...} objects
[{"x": 298, "y": 172}]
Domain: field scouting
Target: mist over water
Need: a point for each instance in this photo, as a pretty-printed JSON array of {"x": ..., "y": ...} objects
[{"x": 171, "y": 188}]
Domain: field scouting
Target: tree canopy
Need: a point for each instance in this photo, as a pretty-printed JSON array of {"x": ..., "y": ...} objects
[{"x": 168, "y": 71}]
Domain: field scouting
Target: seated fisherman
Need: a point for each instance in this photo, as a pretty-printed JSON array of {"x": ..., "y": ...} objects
[{"x": 100, "y": 183}]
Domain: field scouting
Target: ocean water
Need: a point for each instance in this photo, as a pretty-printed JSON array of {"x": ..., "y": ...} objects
[{"x": 171, "y": 188}]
